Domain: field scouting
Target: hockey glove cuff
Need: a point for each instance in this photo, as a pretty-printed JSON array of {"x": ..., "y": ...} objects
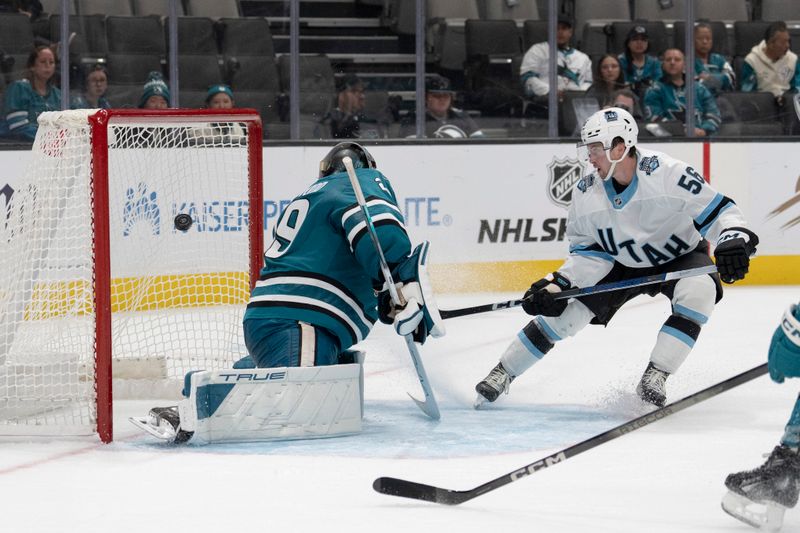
[
  {"x": 540, "y": 300},
  {"x": 733, "y": 251},
  {"x": 784, "y": 350},
  {"x": 420, "y": 316}
]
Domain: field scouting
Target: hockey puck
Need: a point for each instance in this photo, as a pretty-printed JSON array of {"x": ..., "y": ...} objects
[{"x": 183, "y": 222}]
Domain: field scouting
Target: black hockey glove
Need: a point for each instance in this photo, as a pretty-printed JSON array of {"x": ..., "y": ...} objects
[
  {"x": 733, "y": 251},
  {"x": 540, "y": 298}
]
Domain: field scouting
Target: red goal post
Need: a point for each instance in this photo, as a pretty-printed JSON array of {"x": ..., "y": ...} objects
[{"x": 128, "y": 253}]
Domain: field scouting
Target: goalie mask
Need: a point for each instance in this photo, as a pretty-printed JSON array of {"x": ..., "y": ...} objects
[
  {"x": 603, "y": 127},
  {"x": 333, "y": 161}
]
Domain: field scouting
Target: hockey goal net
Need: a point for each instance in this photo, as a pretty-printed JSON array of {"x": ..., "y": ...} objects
[{"x": 127, "y": 250}]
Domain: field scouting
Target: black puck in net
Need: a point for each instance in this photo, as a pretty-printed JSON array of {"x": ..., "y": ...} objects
[{"x": 183, "y": 222}]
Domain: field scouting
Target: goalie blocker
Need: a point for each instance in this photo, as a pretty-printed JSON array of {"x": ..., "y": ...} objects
[{"x": 261, "y": 404}]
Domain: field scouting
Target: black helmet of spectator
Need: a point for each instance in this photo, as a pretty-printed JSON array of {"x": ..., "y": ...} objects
[{"x": 334, "y": 160}]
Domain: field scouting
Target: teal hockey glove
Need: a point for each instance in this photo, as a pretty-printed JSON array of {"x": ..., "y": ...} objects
[{"x": 784, "y": 350}]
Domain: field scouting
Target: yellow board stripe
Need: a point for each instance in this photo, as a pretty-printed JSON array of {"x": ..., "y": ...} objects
[
  {"x": 519, "y": 275},
  {"x": 62, "y": 298},
  {"x": 57, "y": 299}
]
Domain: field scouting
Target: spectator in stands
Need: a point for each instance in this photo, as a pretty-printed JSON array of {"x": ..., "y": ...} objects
[
  {"x": 772, "y": 67},
  {"x": 710, "y": 69},
  {"x": 574, "y": 67},
  {"x": 608, "y": 79},
  {"x": 219, "y": 97},
  {"x": 345, "y": 119},
  {"x": 27, "y": 98},
  {"x": 665, "y": 100},
  {"x": 349, "y": 118},
  {"x": 32, "y": 8},
  {"x": 94, "y": 91},
  {"x": 155, "y": 94},
  {"x": 442, "y": 120},
  {"x": 641, "y": 69},
  {"x": 627, "y": 100}
]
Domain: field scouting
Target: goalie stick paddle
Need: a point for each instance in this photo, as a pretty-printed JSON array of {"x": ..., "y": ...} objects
[
  {"x": 429, "y": 493},
  {"x": 429, "y": 406},
  {"x": 594, "y": 289}
]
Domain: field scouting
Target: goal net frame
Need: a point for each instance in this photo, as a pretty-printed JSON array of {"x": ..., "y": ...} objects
[{"x": 99, "y": 124}]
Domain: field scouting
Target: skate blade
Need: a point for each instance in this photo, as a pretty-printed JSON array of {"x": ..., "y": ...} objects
[
  {"x": 480, "y": 402},
  {"x": 163, "y": 431},
  {"x": 764, "y": 516}
]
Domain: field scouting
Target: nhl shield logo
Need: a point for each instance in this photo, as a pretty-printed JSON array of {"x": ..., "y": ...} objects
[{"x": 563, "y": 174}]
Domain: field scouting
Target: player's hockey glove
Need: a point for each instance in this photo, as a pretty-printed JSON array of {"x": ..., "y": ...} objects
[
  {"x": 784, "y": 350},
  {"x": 733, "y": 251},
  {"x": 420, "y": 316},
  {"x": 540, "y": 300}
]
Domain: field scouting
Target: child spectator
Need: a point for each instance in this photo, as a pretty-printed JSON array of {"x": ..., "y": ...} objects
[
  {"x": 93, "y": 96},
  {"x": 155, "y": 94}
]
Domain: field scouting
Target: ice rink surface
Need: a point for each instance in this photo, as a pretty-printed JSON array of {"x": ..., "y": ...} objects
[{"x": 666, "y": 477}]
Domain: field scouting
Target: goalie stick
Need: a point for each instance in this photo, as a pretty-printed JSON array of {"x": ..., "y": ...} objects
[
  {"x": 578, "y": 292},
  {"x": 419, "y": 491},
  {"x": 429, "y": 406}
]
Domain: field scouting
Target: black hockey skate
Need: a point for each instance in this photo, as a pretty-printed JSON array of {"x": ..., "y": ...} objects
[
  {"x": 164, "y": 423},
  {"x": 496, "y": 383},
  {"x": 759, "y": 497},
  {"x": 652, "y": 386}
]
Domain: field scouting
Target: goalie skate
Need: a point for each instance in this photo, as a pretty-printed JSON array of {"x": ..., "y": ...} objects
[{"x": 163, "y": 423}]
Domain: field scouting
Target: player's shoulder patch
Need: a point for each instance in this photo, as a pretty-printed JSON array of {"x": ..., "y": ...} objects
[
  {"x": 649, "y": 164},
  {"x": 315, "y": 188},
  {"x": 585, "y": 182}
]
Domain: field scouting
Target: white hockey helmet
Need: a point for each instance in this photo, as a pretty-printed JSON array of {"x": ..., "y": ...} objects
[{"x": 606, "y": 125}]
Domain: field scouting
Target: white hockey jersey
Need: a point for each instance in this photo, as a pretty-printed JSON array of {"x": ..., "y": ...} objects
[{"x": 662, "y": 214}]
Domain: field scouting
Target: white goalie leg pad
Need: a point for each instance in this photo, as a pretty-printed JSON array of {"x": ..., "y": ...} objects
[{"x": 273, "y": 403}]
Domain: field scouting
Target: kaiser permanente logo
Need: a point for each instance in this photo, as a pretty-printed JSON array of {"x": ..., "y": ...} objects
[
  {"x": 141, "y": 206},
  {"x": 785, "y": 206},
  {"x": 563, "y": 174}
]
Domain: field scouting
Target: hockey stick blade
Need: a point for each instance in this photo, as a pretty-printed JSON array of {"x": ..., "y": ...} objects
[
  {"x": 419, "y": 491},
  {"x": 585, "y": 291}
]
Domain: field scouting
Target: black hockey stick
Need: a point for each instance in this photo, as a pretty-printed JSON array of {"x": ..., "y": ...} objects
[
  {"x": 418, "y": 491},
  {"x": 594, "y": 289}
]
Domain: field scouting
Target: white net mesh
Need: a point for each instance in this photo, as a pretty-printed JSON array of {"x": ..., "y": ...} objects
[{"x": 179, "y": 286}]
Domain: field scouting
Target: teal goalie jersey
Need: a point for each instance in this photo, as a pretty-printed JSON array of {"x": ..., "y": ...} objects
[{"x": 322, "y": 266}]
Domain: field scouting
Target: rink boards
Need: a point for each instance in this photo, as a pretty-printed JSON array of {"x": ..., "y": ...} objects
[{"x": 496, "y": 213}]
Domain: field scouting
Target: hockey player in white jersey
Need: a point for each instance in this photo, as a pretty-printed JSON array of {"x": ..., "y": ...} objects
[{"x": 639, "y": 212}]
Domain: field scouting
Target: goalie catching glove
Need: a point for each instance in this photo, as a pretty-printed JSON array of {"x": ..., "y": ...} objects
[
  {"x": 420, "y": 316},
  {"x": 784, "y": 350},
  {"x": 733, "y": 251},
  {"x": 540, "y": 298}
]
